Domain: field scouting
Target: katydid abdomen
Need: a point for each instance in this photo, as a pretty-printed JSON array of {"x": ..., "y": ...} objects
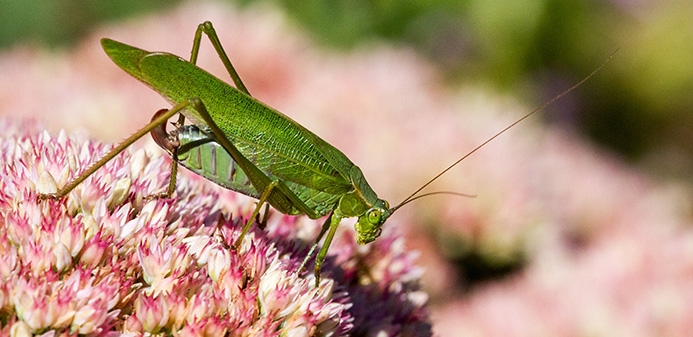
[{"x": 200, "y": 154}]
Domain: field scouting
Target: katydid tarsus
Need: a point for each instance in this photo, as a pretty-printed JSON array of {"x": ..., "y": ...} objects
[{"x": 246, "y": 146}]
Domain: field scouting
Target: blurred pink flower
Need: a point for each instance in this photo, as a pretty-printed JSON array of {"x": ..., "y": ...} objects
[{"x": 106, "y": 259}]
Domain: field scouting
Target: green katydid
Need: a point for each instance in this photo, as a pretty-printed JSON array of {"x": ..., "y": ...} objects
[{"x": 265, "y": 155}]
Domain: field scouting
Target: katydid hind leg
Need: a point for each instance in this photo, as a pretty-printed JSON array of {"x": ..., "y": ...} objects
[
  {"x": 281, "y": 197},
  {"x": 112, "y": 153},
  {"x": 261, "y": 182},
  {"x": 275, "y": 192},
  {"x": 159, "y": 134},
  {"x": 207, "y": 28}
]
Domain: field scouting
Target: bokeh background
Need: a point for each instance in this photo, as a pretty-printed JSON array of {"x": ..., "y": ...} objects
[{"x": 582, "y": 220}]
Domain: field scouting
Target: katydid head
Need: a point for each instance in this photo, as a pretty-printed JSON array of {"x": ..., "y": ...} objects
[{"x": 369, "y": 225}]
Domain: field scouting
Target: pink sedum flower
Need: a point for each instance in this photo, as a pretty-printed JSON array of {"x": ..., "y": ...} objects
[{"x": 107, "y": 260}]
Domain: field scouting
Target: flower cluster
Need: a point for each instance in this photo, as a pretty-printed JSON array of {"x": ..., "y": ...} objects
[{"x": 108, "y": 260}]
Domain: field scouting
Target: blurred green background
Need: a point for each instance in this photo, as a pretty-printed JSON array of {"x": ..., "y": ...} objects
[{"x": 639, "y": 106}]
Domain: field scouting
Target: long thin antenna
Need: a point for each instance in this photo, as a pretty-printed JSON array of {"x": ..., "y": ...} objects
[{"x": 406, "y": 200}]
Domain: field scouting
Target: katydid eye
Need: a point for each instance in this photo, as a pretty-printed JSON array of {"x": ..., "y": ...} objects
[{"x": 374, "y": 216}]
